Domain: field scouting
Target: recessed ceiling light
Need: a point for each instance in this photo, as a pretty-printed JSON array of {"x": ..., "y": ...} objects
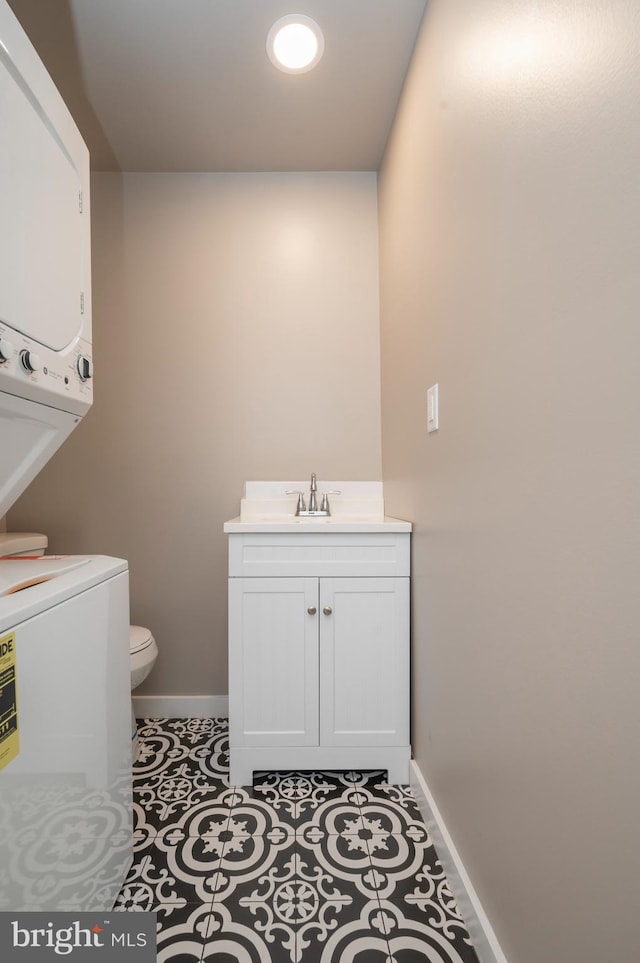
[{"x": 295, "y": 44}]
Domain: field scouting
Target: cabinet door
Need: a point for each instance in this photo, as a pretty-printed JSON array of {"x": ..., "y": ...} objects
[
  {"x": 273, "y": 661},
  {"x": 364, "y": 661}
]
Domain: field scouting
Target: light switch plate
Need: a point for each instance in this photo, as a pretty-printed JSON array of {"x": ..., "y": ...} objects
[{"x": 432, "y": 408}]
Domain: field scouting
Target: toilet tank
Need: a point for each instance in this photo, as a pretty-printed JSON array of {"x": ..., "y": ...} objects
[{"x": 16, "y": 544}]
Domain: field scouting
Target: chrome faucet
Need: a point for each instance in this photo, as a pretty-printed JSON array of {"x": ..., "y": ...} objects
[
  {"x": 301, "y": 508},
  {"x": 313, "y": 491}
]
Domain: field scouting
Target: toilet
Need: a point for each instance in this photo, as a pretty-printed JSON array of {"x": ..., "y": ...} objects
[
  {"x": 143, "y": 654},
  {"x": 143, "y": 650}
]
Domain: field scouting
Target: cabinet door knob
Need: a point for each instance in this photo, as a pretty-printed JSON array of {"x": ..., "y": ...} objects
[
  {"x": 312, "y": 610},
  {"x": 327, "y": 610}
]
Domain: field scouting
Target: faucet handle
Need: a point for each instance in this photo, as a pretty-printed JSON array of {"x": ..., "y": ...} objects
[
  {"x": 324, "y": 505},
  {"x": 301, "y": 507}
]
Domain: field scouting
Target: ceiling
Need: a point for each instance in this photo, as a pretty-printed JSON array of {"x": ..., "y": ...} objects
[{"x": 186, "y": 85}]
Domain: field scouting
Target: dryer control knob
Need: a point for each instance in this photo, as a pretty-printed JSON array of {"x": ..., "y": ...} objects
[
  {"x": 29, "y": 360},
  {"x": 84, "y": 367},
  {"x": 6, "y": 350}
]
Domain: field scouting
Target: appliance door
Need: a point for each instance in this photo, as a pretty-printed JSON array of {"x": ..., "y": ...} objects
[
  {"x": 66, "y": 825},
  {"x": 29, "y": 435}
]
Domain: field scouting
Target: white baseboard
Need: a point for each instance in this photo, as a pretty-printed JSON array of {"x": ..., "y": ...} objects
[
  {"x": 180, "y": 707},
  {"x": 484, "y": 939}
]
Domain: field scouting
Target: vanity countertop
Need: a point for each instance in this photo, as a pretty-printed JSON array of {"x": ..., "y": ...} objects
[
  {"x": 355, "y": 507},
  {"x": 334, "y": 524}
]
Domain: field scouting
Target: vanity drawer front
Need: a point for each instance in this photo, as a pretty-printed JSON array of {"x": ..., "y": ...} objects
[{"x": 369, "y": 554}]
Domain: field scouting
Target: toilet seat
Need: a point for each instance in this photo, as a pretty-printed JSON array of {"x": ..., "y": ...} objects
[
  {"x": 143, "y": 653},
  {"x": 139, "y": 638}
]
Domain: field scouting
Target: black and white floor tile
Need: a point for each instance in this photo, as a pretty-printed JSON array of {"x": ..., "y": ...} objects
[
  {"x": 318, "y": 867},
  {"x": 63, "y": 845}
]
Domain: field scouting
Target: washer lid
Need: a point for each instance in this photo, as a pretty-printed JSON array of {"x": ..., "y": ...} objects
[
  {"x": 20, "y": 574},
  {"x": 139, "y": 638}
]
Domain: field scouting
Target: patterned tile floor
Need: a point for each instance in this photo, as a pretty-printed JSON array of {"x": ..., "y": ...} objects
[{"x": 299, "y": 868}]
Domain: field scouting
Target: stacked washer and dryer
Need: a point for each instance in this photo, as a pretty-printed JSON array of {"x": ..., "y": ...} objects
[{"x": 65, "y": 739}]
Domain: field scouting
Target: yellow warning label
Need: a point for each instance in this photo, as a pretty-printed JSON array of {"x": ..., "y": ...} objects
[{"x": 8, "y": 700}]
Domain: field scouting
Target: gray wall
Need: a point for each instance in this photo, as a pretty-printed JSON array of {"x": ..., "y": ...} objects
[
  {"x": 510, "y": 234},
  {"x": 236, "y": 333}
]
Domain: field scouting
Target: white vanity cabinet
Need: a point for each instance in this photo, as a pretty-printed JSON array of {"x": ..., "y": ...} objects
[{"x": 319, "y": 652}]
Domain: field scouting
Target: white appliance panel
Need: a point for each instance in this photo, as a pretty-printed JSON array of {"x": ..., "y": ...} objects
[
  {"x": 41, "y": 262},
  {"x": 29, "y": 434},
  {"x": 66, "y": 808},
  {"x": 45, "y": 265}
]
